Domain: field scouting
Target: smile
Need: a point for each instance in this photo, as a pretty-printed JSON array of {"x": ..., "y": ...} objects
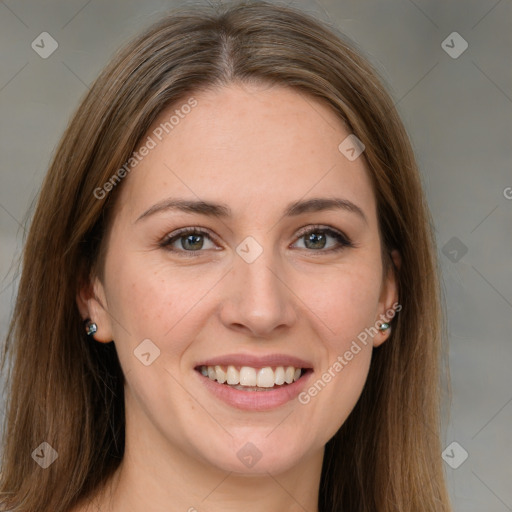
[
  {"x": 253, "y": 389},
  {"x": 247, "y": 378}
]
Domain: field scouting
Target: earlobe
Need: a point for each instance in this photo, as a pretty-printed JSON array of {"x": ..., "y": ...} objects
[
  {"x": 388, "y": 301},
  {"x": 383, "y": 334},
  {"x": 90, "y": 327},
  {"x": 91, "y": 304}
]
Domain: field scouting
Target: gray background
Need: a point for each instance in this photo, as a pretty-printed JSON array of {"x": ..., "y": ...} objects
[{"x": 458, "y": 114}]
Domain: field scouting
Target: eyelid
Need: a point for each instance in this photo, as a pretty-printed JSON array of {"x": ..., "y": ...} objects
[{"x": 189, "y": 229}]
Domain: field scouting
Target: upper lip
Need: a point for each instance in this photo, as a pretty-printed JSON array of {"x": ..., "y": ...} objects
[{"x": 256, "y": 361}]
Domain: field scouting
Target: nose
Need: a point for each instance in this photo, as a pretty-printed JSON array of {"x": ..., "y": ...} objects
[{"x": 258, "y": 301}]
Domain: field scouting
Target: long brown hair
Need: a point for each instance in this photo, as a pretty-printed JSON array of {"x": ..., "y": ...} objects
[{"x": 68, "y": 392}]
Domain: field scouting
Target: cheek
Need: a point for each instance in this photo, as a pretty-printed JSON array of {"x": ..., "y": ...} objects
[
  {"x": 345, "y": 299},
  {"x": 150, "y": 299},
  {"x": 347, "y": 307}
]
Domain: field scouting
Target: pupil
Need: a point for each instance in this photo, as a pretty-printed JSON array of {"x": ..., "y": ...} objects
[
  {"x": 192, "y": 237},
  {"x": 312, "y": 237}
]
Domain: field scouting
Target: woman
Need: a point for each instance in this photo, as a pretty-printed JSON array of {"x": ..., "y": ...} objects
[{"x": 229, "y": 294}]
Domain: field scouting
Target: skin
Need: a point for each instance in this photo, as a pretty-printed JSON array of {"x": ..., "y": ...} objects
[{"x": 255, "y": 149}]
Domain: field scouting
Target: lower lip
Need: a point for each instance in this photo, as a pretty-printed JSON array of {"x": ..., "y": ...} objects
[{"x": 255, "y": 400}]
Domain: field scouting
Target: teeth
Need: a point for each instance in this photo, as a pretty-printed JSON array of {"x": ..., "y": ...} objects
[
  {"x": 266, "y": 378},
  {"x": 252, "y": 377},
  {"x": 279, "y": 375},
  {"x": 220, "y": 375},
  {"x": 247, "y": 376},
  {"x": 233, "y": 376}
]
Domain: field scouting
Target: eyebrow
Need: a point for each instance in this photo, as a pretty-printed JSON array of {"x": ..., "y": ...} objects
[{"x": 221, "y": 210}]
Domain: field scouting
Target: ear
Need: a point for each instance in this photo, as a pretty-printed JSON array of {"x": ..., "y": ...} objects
[
  {"x": 92, "y": 304},
  {"x": 388, "y": 301}
]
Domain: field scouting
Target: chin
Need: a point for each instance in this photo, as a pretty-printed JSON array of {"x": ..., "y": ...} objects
[{"x": 257, "y": 454}]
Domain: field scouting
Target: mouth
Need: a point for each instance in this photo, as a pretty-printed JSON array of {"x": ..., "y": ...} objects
[
  {"x": 253, "y": 382},
  {"x": 250, "y": 378}
]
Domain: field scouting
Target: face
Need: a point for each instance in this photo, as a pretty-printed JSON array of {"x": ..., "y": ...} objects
[{"x": 248, "y": 277}]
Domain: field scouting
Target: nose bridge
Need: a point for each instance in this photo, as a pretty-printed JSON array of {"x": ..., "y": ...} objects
[{"x": 257, "y": 296}]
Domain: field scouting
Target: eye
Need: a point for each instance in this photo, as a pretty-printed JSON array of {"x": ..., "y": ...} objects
[
  {"x": 315, "y": 238},
  {"x": 189, "y": 240}
]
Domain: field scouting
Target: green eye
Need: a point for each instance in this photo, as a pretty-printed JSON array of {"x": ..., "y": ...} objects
[
  {"x": 191, "y": 240},
  {"x": 316, "y": 239}
]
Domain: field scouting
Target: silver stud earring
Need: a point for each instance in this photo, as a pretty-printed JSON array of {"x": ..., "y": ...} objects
[
  {"x": 90, "y": 327},
  {"x": 384, "y": 327}
]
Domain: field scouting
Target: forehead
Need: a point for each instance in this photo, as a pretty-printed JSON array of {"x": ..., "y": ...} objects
[{"x": 253, "y": 147}]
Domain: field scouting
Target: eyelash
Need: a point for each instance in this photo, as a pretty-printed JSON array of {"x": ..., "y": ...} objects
[{"x": 342, "y": 239}]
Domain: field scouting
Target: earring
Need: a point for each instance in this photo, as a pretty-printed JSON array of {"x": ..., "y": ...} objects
[
  {"x": 90, "y": 327},
  {"x": 384, "y": 327}
]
